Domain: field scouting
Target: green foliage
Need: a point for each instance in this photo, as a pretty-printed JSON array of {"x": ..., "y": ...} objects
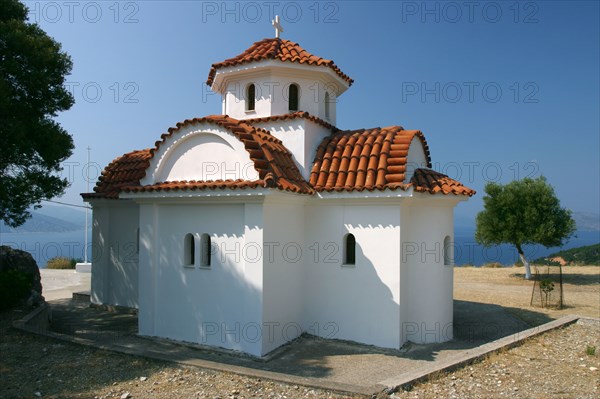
[
  {"x": 61, "y": 263},
  {"x": 587, "y": 255},
  {"x": 546, "y": 262},
  {"x": 523, "y": 212},
  {"x": 546, "y": 285},
  {"x": 14, "y": 287},
  {"x": 32, "y": 93},
  {"x": 493, "y": 265},
  {"x": 590, "y": 350}
]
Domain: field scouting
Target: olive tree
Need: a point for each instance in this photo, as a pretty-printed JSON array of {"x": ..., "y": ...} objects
[{"x": 523, "y": 212}]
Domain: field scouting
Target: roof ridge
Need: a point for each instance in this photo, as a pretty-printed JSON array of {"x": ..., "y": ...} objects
[{"x": 391, "y": 127}]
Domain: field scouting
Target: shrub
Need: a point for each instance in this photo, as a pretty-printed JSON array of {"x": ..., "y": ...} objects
[
  {"x": 14, "y": 287},
  {"x": 61, "y": 263},
  {"x": 493, "y": 265},
  {"x": 590, "y": 350}
]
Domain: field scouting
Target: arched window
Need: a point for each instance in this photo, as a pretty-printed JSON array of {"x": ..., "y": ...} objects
[
  {"x": 448, "y": 251},
  {"x": 205, "y": 250},
  {"x": 349, "y": 249},
  {"x": 294, "y": 93},
  {"x": 189, "y": 250},
  {"x": 137, "y": 241},
  {"x": 327, "y": 111},
  {"x": 250, "y": 97}
]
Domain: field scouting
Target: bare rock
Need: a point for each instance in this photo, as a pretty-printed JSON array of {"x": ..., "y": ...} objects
[{"x": 23, "y": 262}]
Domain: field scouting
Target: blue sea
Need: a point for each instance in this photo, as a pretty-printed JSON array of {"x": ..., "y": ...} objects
[
  {"x": 44, "y": 246},
  {"x": 467, "y": 251}
]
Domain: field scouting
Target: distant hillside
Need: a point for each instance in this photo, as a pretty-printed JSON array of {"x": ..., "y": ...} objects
[
  {"x": 588, "y": 255},
  {"x": 587, "y": 221},
  {"x": 41, "y": 223}
]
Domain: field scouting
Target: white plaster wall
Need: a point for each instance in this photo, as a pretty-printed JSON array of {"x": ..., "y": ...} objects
[
  {"x": 415, "y": 159},
  {"x": 284, "y": 270},
  {"x": 201, "y": 152},
  {"x": 272, "y": 94},
  {"x": 100, "y": 236},
  {"x": 426, "y": 284},
  {"x": 235, "y": 95},
  {"x": 115, "y": 261},
  {"x": 219, "y": 306},
  {"x": 358, "y": 303},
  {"x": 301, "y": 137},
  {"x": 148, "y": 270}
]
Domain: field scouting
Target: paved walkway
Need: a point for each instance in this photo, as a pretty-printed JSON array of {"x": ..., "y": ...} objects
[
  {"x": 309, "y": 361},
  {"x": 58, "y": 284}
]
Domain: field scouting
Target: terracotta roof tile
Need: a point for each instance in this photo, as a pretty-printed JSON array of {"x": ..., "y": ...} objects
[
  {"x": 365, "y": 159},
  {"x": 126, "y": 170},
  {"x": 294, "y": 115},
  {"x": 194, "y": 185},
  {"x": 273, "y": 162},
  {"x": 427, "y": 180},
  {"x": 279, "y": 49},
  {"x": 357, "y": 160}
]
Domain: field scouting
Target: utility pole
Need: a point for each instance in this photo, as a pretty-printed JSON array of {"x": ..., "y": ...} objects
[{"x": 87, "y": 177}]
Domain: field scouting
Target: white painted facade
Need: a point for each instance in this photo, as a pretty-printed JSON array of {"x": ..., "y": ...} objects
[
  {"x": 277, "y": 266},
  {"x": 272, "y": 80},
  {"x": 116, "y": 253},
  {"x": 222, "y": 157}
]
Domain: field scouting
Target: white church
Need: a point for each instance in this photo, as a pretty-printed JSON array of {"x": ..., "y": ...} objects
[{"x": 246, "y": 229}]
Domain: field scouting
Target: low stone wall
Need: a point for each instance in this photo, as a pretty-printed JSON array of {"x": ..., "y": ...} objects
[{"x": 38, "y": 321}]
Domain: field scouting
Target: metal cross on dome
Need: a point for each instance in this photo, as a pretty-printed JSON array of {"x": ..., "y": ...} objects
[{"x": 277, "y": 26}]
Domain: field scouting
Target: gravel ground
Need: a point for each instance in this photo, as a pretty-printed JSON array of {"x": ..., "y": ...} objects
[
  {"x": 33, "y": 366},
  {"x": 554, "y": 365}
]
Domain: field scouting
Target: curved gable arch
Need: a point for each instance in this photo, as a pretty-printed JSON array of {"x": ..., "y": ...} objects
[
  {"x": 416, "y": 158},
  {"x": 200, "y": 152}
]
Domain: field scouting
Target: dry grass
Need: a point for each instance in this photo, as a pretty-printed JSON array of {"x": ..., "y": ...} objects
[{"x": 507, "y": 287}]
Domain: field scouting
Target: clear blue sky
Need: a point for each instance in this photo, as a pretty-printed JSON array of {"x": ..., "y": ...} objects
[{"x": 500, "y": 89}]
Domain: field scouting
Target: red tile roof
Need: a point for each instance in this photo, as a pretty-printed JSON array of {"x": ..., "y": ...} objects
[
  {"x": 273, "y": 162},
  {"x": 430, "y": 181},
  {"x": 294, "y": 115},
  {"x": 356, "y": 160},
  {"x": 276, "y": 49},
  {"x": 365, "y": 159},
  {"x": 194, "y": 185},
  {"x": 124, "y": 171}
]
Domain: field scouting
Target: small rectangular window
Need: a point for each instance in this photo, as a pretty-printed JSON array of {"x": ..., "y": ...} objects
[
  {"x": 293, "y": 97},
  {"x": 349, "y": 250},
  {"x": 250, "y": 97},
  {"x": 189, "y": 250},
  {"x": 205, "y": 248}
]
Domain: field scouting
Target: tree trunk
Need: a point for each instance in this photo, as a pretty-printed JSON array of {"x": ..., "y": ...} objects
[{"x": 525, "y": 263}]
